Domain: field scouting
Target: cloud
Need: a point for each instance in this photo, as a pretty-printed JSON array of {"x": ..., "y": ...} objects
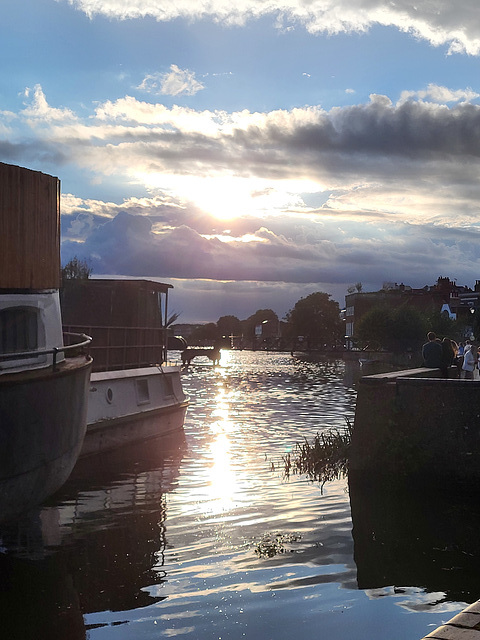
[
  {"x": 207, "y": 300},
  {"x": 127, "y": 244},
  {"x": 176, "y": 82},
  {"x": 440, "y": 95},
  {"x": 396, "y": 187},
  {"x": 40, "y": 110},
  {"x": 416, "y": 159},
  {"x": 440, "y": 23}
]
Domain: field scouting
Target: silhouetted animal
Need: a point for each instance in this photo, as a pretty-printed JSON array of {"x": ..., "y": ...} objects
[{"x": 189, "y": 354}]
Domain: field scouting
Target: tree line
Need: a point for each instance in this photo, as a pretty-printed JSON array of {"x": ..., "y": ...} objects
[
  {"x": 313, "y": 323},
  {"x": 404, "y": 328}
]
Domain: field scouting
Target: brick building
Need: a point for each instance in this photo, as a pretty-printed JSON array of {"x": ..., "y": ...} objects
[{"x": 445, "y": 296}]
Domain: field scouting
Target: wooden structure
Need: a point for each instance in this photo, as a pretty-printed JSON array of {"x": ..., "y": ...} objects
[
  {"x": 29, "y": 229},
  {"x": 43, "y": 390},
  {"x": 126, "y": 319}
]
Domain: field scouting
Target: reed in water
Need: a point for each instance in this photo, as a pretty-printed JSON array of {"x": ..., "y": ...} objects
[{"x": 323, "y": 459}]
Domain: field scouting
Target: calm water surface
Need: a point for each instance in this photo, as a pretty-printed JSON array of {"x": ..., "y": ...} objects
[{"x": 200, "y": 536}]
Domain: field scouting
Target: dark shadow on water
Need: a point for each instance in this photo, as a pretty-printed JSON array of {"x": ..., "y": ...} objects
[
  {"x": 424, "y": 535},
  {"x": 93, "y": 547}
]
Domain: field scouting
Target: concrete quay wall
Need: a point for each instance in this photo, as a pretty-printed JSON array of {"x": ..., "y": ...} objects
[
  {"x": 464, "y": 626},
  {"x": 415, "y": 423}
]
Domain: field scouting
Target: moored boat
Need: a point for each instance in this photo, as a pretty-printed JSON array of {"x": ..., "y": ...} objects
[
  {"x": 134, "y": 395},
  {"x": 132, "y": 405},
  {"x": 43, "y": 381}
]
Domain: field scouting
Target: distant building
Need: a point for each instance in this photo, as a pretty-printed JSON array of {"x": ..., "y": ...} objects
[
  {"x": 443, "y": 297},
  {"x": 184, "y": 330},
  {"x": 471, "y": 299}
]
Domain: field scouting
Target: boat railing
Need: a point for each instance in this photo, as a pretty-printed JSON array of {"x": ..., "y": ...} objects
[
  {"x": 84, "y": 341},
  {"x": 119, "y": 347}
]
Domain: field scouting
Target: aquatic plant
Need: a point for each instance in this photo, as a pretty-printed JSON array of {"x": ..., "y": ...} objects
[
  {"x": 272, "y": 544},
  {"x": 323, "y": 459}
]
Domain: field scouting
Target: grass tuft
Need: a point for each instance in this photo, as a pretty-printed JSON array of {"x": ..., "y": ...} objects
[{"x": 323, "y": 459}]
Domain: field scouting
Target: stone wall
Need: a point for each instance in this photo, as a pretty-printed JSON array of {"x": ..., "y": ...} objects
[{"x": 407, "y": 424}]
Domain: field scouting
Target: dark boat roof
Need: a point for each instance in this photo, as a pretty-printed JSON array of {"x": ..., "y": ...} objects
[{"x": 139, "y": 283}]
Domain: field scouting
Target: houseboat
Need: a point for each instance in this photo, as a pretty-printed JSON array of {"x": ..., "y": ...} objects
[
  {"x": 44, "y": 379},
  {"x": 134, "y": 394}
]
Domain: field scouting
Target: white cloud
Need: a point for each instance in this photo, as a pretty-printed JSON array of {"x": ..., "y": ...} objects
[
  {"x": 415, "y": 158},
  {"x": 40, "y": 110},
  {"x": 175, "y": 82},
  {"x": 133, "y": 111},
  {"x": 441, "y": 23},
  {"x": 440, "y": 95}
]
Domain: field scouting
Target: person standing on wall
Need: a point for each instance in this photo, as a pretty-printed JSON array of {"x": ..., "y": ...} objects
[
  {"x": 469, "y": 363},
  {"x": 449, "y": 354},
  {"x": 432, "y": 352}
]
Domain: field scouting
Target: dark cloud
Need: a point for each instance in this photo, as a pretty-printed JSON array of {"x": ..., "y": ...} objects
[
  {"x": 412, "y": 129},
  {"x": 126, "y": 245},
  {"x": 34, "y": 155}
]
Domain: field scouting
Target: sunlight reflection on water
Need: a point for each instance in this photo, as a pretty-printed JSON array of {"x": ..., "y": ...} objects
[{"x": 210, "y": 541}]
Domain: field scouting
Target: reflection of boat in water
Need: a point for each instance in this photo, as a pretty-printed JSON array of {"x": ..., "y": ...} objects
[
  {"x": 131, "y": 398},
  {"x": 43, "y": 383},
  {"x": 97, "y": 546}
]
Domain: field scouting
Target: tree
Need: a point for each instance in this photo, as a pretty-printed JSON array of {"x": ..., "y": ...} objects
[
  {"x": 229, "y": 326},
  {"x": 476, "y": 324},
  {"x": 205, "y": 334},
  {"x": 397, "y": 330},
  {"x": 443, "y": 325},
  {"x": 260, "y": 316},
  {"x": 317, "y": 319},
  {"x": 408, "y": 330},
  {"x": 76, "y": 269},
  {"x": 373, "y": 328}
]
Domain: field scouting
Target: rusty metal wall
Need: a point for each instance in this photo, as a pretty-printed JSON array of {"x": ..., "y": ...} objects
[{"x": 29, "y": 229}]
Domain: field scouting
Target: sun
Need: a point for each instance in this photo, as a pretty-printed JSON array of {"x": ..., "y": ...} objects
[
  {"x": 228, "y": 197},
  {"x": 224, "y": 198}
]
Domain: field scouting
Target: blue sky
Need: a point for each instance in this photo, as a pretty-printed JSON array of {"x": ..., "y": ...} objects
[{"x": 251, "y": 153}]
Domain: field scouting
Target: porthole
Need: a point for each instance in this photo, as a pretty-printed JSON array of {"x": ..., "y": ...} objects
[{"x": 109, "y": 395}]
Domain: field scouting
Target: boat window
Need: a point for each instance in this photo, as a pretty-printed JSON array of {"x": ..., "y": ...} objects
[{"x": 18, "y": 329}]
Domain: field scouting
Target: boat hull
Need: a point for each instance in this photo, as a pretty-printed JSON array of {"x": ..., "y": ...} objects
[
  {"x": 119, "y": 432},
  {"x": 43, "y": 418},
  {"x": 130, "y": 406}
]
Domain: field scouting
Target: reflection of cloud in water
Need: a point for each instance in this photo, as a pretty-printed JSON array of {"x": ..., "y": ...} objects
[
  {"x": 345, "y": 576},
  {"x": 416, "y": 599}
]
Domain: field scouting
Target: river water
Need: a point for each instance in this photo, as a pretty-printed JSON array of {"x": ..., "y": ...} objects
[{"x": 200, "y": 536}]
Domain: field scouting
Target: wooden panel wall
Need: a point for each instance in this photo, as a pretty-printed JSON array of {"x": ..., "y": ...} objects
[{"x": 29, "y": 229}]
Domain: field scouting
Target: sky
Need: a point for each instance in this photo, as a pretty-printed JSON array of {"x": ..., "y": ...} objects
[{"x": 252, "y": 152}]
